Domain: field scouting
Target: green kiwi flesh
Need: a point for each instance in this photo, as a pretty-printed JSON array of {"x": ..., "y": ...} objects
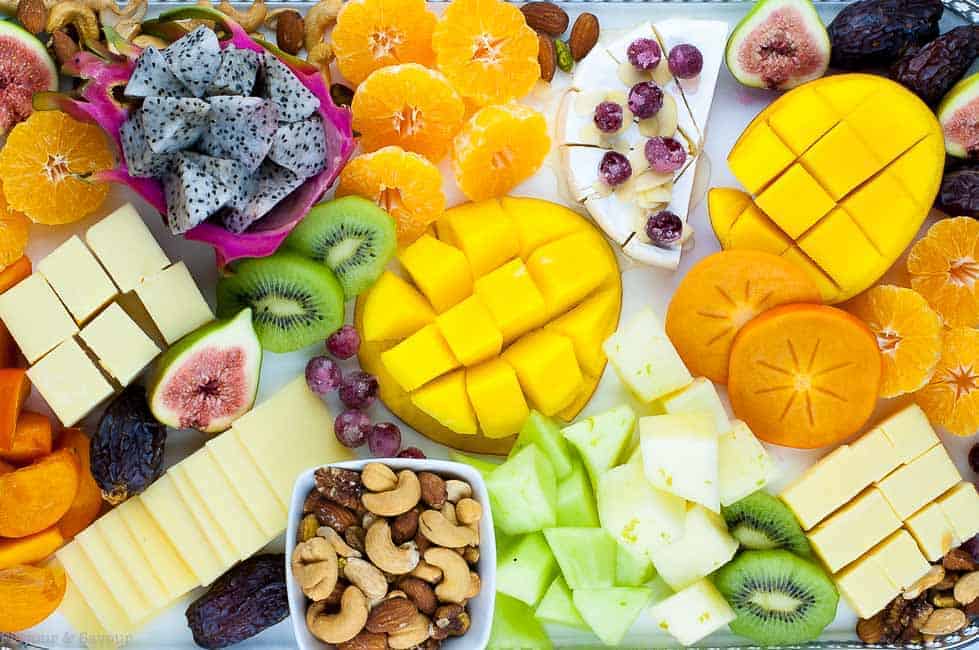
[
  {"x": 295, "y": 302},
  {"x": 352, "y": 236},
  {"x": 760, "y": 521},
  {"x": 779, "y": 598}
]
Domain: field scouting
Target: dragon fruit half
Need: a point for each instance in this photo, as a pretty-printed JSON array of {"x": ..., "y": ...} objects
[{"x": 297, "y": 143}]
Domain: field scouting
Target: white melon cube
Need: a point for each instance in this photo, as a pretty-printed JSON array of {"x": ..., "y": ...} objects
[
  {"x": 680, "y": 456},
  {"x": 704, "y": 547},
  {"x": 744, "y": 465},
  {"x": 699, "y": 397},
  {"x": 635, "y": 513},
  {"x": 645, "y": 359},
  {"x": 693, "y": 613}
]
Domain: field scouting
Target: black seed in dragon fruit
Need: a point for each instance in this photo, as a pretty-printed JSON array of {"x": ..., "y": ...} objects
[
  {"x": 300, "y": 147},
  {"x": 278, "y": 83},
  {"x": 152, "y": 77},
  {"x": 141, "y": 161},
  {"x": 239, "y": 180},
  {"x": 240, "y": 128},
  {"x": 192, "y": 194},
  {"x": 273, "y": 184},
  {"x": 173, "y": 123},
  {"x": 195, "y": 59},
  {"x": 237, "y": 73}
]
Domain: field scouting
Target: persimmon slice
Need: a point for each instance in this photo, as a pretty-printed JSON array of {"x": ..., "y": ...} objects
[
  {"x": 804, "y": 375},
  {"x": 88, "y": 500},
  {"x": 33, "y": 498},
  {"x": 29, "y": 595}
]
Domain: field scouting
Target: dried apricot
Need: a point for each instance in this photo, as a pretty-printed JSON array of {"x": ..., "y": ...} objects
[
  {"x": 30, "y": 549},
  {"x": 29, "y": 595},
  {"x": 944, "y": 268},
  {"x": 951, "y": 398},
  {"x": 14, "y": 389},
  {"x": 88, "y": 500},
  {"x": 14, "y": 273},
  {"x": 31, "y": 439},
  {"x": 35, "y": 497}
]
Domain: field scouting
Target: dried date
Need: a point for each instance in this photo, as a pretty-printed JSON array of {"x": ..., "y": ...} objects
[
  {"x": 875, "y": 33},
  {"x": 932, "y": 70},
  {"x": 959, "y": 194}
]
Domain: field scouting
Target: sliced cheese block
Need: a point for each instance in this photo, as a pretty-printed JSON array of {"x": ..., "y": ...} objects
[
  {"x": 92, "y": 587},
  {"x": 220, "y": 542},
  {"x": 122, "y": 588},
  {"x": 246, "y": 478},
  {"x": 137, "y": 566},
  {"x": 83, "y": 620},
  {"x": 174, "y": 574}
]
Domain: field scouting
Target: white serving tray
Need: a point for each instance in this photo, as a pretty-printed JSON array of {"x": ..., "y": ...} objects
[{"x": 734, "y": 106}]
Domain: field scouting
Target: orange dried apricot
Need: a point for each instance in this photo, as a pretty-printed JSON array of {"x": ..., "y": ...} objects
[
  {"x": 88, "y": 500},
  {"x": 5, "y": 467},
  {"x": 35, "y": 497},
  {"x": 14, "y": 389},
  {"x": 30, "y": 549},
  {"x": 14, "y": 273},
  {"x": 951, "y": 398},
  {"x": 944, "y": 268},
  {"x": 29, "y": 595},
  {"x": 31, "y": 439},
  {"x": 14, "y": 233}
]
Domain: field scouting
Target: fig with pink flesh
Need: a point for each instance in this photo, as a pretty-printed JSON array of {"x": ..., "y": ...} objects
[
  {"x": 959, "y": 116},
  {"x": 25, "y": 68}
]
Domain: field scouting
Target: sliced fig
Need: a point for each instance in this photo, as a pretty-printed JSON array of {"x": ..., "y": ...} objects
[
  {"x": 209, "y": 378},
  {"x": 779, "y": 45},
  {"x": 959, "y": 117},
  {"x": 25, "y": 68}
]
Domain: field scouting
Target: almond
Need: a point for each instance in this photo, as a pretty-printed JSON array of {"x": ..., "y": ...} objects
[
  {"x": 545, "y": 17},
  {"x": 547, "y": 57},
  {"x": 32, "y": 15},
  {"x": 420, "y": 593},
  {"x": 365, "y": 641},
  {"x": 584, "y": 36},
  {"x": 289, "y": 30},
  {"x": 64, "y": 46},
  {"x": 433, "y": 489},
  {"x": 391, "y": 616}
]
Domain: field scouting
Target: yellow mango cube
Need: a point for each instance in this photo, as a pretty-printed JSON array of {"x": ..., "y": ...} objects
[
  {"x": 890, "y": 123},
  {"x": 755, "y": 231},
  {"x": 547, "y": 369},
  {"x": 513, "y": 299},
  {"x": 885, "y": 212},
  {"x": 441, "y": 271},
  {"x": 446, "y": 401},
  {"x": 539, "y": 222},
  {"x": 585, "y": 325},
  {"x": 725, "y": 205},
  {"x": 469, "y": 330},
  {"x": 922, "y": 161},
  {"x": 795, "y": 201},
  {"x": 827, "y": 286},
  {"x": 841, "y": 249},
  {"x": 484, "y": 231},
  {"x": 420, "y": 358},
  {"x": 840, "y": 161},
  {"x": 393, "y": 309},
  {"x": 844, "y": 93},
  {"x": 496, "y": 398},
  {"x": 759, "y": 156},
  {"x": 569, "y": 269},
  {"x": 803, "y": 119}
]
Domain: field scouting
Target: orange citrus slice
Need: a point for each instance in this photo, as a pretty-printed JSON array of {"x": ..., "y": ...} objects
[
  {"x": 410, "y": 106},
  {"x": 909, "y": 335},
  {"x": 372, "y": 34},
  {"x": 951, "y": 398},
  {"x": 944, "y": 268},
  {"x": 44, "y": 164},
  {"x": 498, "y": 148},
  {"x": 405, "y": 184},
  {"x": 487, "y": 50},
  {"x": 14, "y": 233}
]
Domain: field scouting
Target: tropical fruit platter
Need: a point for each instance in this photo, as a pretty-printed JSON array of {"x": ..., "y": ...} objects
[{"x": 394, "y": 325}]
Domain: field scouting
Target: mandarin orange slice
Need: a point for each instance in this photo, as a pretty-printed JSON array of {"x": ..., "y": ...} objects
[
  {"x": 14, "y": 233},
  {"x": 498, "y": 148},
  {"x": 951, "y": 398},
  {"x": 372, "y": 34},
  {"x": 944, "y": 268},
  {"x": 909, "y": 335},
  {"x": 44, "y": 164},
  {"x": 409, "y": 106},
  {"x": 719, "y": 295},
  {"x": 804, "y": 376},
  {"x": 405, "y": 184},
  {"x": 487, "y": 50}
]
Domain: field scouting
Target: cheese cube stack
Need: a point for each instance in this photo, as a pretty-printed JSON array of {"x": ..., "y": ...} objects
[
  {"x": 217, "y": 507},
  {"x": 881, "y": 575}
]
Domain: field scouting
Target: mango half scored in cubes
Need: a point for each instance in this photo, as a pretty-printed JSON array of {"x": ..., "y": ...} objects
[
  {"x": 842, "y": 171},
  {"x": 504, "y": 311}
]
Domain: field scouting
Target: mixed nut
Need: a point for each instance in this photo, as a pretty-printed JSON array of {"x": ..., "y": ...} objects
[
  {"x": 550, "y": 22},
  {"x": 388, "y": 559}
]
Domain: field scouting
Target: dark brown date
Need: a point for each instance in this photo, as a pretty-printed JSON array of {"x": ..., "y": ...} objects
[
  {"x": 875, "y": 33},
  {"x": 959, "y": 195},
  {"x": 931, "y": 70}
]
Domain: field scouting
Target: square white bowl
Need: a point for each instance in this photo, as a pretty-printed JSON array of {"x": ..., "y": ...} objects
[{"x": 480, "y": 607}]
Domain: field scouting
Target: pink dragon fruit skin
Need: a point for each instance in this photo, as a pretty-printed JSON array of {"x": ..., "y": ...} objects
[{"x": 96, "y": 102}]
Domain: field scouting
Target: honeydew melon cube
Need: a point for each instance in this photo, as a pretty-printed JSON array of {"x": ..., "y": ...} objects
[
  {"x": 679, "y": 453},
  {"x": 557, "y": 606},
  {"x": 693, "y": 613},
  {"x": 527, "y": 569},
  {"x": 645, "y": 359},
  {"x": 575, "y": 499},
  {"x": 542, "y": 431},
  {"x": 610, "y": 612},
  {"x": 547, "y": 369},
  {"x": 514, "y": 626},
  {"x": 446, "y": 401},
  {"x": 704, "y": 547},
  {"x": 523, "y": 493},
  {"x": 699, "y": 397},
  {"x": 440, "y": 270},
  {"x": 632, "y": 569},
  {"x": 393, "y": 309},
  {"x": 481, "y": 465},
  {"x": 586, "y": 555},
  {"x": 602, "y": 439},
  {"x": 635, "y": 513},
  {"x": 743, "y": 464}
]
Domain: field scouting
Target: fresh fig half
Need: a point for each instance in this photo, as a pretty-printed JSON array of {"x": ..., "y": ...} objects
[
  {"x": 25, "y": 68},
  {"x": 779, "y": 45},
  {"x": 959, "y": 116},
  {"x": 209, "y": 378}
]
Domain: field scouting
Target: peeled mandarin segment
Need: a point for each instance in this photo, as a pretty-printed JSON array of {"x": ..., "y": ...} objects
[
  {"x": 37, "y": 496},
  {"x": 29, "y": 595},
  {"x": 944, "y": 268},
  {"x": 804, "y": 376},
  {"x": 909, "y": 336},
  {"x": 951, "y": 398},
  {"x": 721, "y": 294},
  {"x": 14, "y": 233}
]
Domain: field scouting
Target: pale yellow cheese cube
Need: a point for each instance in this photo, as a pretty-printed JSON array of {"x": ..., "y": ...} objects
[
  {"x": 137, "y": 566},
  {"x": 910, "y": 432},
  {"x": 83, "y": 620},
  {"x": 35, "y": 317},
  {"x": 961, "y": 508},
  {"x": 913, "y": 486},
  {"x": 78, "y": 279},
  {"x": 261, "y": 500},
  {"x": 854, "y": 530},
  {"x": 174, "y": 574},
  {"x": 122, "y": 587},
  {"x": 121, "y": 347},
  {"x": 220, "y": 542},
  {"x": 94, "y": 590},
  {"x": 126, "y": 248},
  {"x": 699, "y": 396},
  {"x": 933, "y": 532},
  {"x": 69, "y": 382},
  {"x": 174, "y": 302},
  {"x": 900, "y": 559},
  {"x": 744, "y": 465},
  {"x": 866, "y": 587},
  {"x": 825, "y": 486},
  {"x": 875, "y": 454}
]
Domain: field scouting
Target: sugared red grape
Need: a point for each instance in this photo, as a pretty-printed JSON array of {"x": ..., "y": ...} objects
[
  {"x": 384, "y": 439},
  {"x": 358, "y": 390},
  {"x": 665, "y": 155},
  {"x": 644, "y": 53},
  {"x": 344, "y": 343},
  {"x": 608, "y": 117},
  {"x": 323, "y": 375},
  {"x": 645, "y": 99},
  {"x": 614, "y": 169},
  {"x": 411, "y": 452},
  {"x": 351, "y": 428},
  {"x": 685, "y": 61},
  {"x": 974, "y": 458},
  {"x": 664, "y": 228}
]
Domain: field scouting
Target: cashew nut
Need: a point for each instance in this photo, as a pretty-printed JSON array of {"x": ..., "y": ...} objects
[
  {"x": 442, "y": 532},
  {"x": 378, "y": 477},
  {"x": 320, "y": 18},
  {"x": 321, "y": 56},
  {"x": 251, "y": 20},
  {"x": 315, "y": 565},
  {"x": 368, "y": 577},
  {"x": 397, "y": 501},
  {"x": 455, "y": 574},
  {"x": 449, "y": 512},
  {"x": 345, "y": 624},
  {"x": 416, "y": 633},
  {"x": 456, "y": 490},
  {"x": 126, "y": 21},
  {"x": 145, "y": 40},
  {"x": 468, "y": 511},
  {"x": 385, "y": 555},
  {"x": 427, "y": 572},
  {"x": 77, "y": 14},
  {"x": 475, "y": 584},
  {"x": 338, "y": 543}
]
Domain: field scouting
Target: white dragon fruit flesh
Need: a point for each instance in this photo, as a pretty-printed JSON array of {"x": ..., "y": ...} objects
[
  {"x": 237, "y": 74},
  {"x": 195, "y": 59},
  {"x": 279, "y": 84},
  {"x": 192, "y": 193},
  {"x": 300, "y": 147},
  {"x": 241, "y": 128},
  {"x": 273, "y": 184},
  {"x": 173, "y": 124},
  {"x": 140, "y": 159},
  {"x": 152, "y": 77}
]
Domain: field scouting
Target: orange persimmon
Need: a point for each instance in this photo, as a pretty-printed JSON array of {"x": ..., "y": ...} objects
[
  {"x": 8, "y": 349},
  {"x": 88, "y": 500},
  {"x": 6, "y": 468},
  {"x": 35, "y": 497},
  {"x": 29, "y": 595},
  {"x": 14, "y": 389},
  {"x": 30, "y": 549},
  {"x": 31, "y": 439},
  {"x": 11, "y": 275}
]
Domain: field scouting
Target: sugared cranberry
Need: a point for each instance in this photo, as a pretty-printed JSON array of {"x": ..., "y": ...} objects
[
  {"x": 384, "y": 439},
  {"x": 665, "y": 155},
  {"x": 664, "y": 228},
  {"x": 411, "y": 452},
  {"x": 645, "y": 99},
  {"x": 608, "y": 117},
  {"x": 614, "y": 169},
  {"x": 974, "y": 458},
  {"x": 358, "y": 390},
  {"x": 685, "y": 61},
  {"x": 644, "y": 53},
  {"x": 351, "y": 428},
  {"x": 344, "y": 343},
  {"x": 323, "y": 375}
]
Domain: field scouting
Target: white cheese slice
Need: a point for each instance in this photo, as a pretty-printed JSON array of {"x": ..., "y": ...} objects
[{"x": 596, "y": 71}]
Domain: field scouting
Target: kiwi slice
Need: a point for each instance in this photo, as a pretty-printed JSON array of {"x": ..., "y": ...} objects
[
  {"x": 295, "y": 302},
  {"x": 779, "y": 598},
  {"x": 760, "y": 521},
  {"x": 352, "y": 236}
]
